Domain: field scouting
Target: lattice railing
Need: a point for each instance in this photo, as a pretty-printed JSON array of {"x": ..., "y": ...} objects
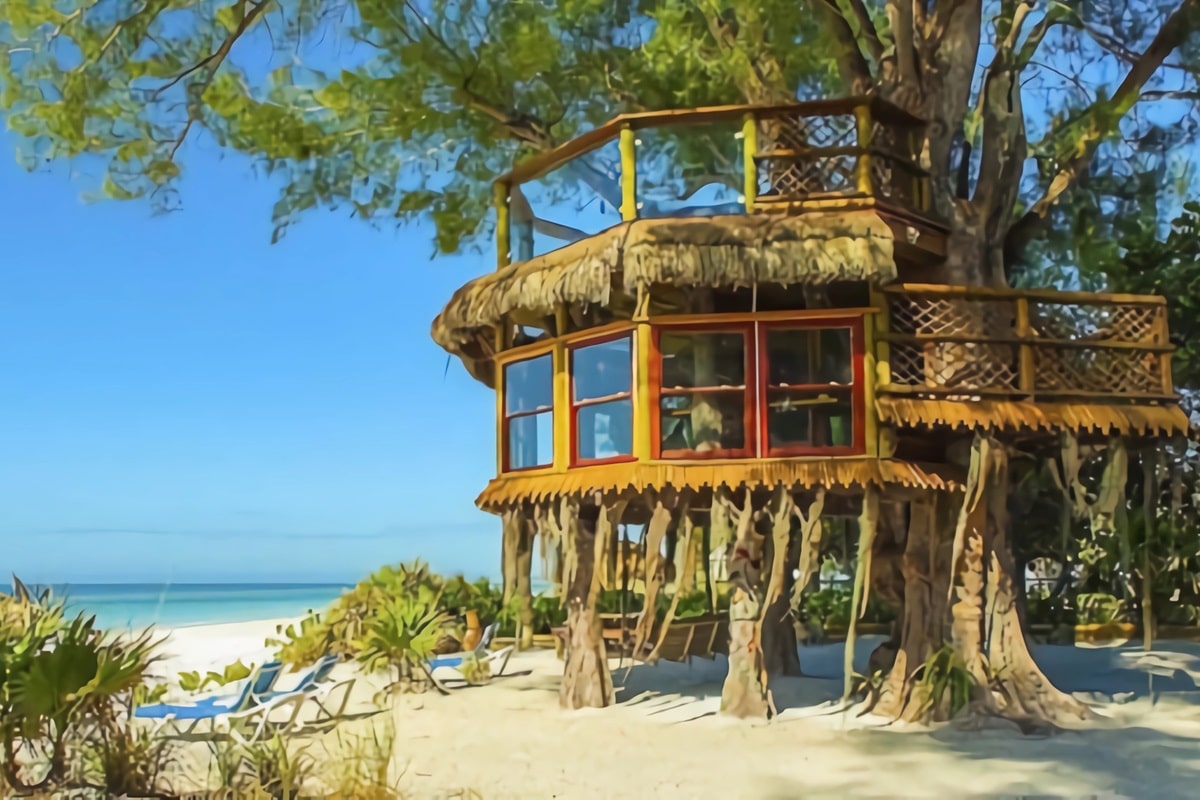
[
  {"x": 946, "y": 341},
  {"x": 845, "y": 153}
]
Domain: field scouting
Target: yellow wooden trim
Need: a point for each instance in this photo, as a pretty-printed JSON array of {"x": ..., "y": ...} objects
[
  {"x": 562, "y": 407},
  {"x": 628, "y": 147},
  {"x": 870, "y": 415},
  {"x": 524, "y": 351},
  {"x": 503, "y": 233},
  {"x": 879, "y": 352},
  {"x": 749, "y": 165},
  {"x": 641, "y": 392},
  {"x": 862, "y": 170},
  {"x": 761, "y": 316},
  {"x": 1026, "y": 366},
  {"x": 1037, "y": 295},
  {"x": 499, "y": 419}
]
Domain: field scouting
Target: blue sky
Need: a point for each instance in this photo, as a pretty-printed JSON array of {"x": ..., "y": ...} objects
[{"x": 184, "y": 401}]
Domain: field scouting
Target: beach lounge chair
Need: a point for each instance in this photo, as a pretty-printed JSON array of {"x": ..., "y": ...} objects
[
  {"x": 455, "y": 661},
  {"x": 329, "y": 698},
  {"x": 239, "y": 716}
]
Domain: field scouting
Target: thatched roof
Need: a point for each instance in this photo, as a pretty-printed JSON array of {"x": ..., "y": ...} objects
[
  {"x": 1011, "y": 415},
  {"x": 829, "y": 473},
  {"x": 729, "y": 251}
]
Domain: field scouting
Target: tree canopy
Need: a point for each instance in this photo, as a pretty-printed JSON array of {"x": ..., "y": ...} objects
[{"x": 357, "y": 103}]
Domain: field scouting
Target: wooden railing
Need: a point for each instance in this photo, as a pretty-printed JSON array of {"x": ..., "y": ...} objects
[
  {"x": 789, "y": 156},
  {"x": 945, "y": 341}
]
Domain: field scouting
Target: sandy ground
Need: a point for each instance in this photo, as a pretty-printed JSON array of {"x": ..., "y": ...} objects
[{"x": 509, "y": 739}]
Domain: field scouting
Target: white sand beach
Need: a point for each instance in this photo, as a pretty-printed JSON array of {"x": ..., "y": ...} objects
[{"x": 664, "y": 738}]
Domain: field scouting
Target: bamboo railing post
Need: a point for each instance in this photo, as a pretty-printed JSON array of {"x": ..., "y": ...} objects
[
  {"x": 503, "y": 231},
  {"x": 862, "y": 169},
  {"x": 749, "y": 165},
  {"x": 628, "y": 147},
  {"x": 1026, "y": 364},
  {"x": 1162, "y": 337}
]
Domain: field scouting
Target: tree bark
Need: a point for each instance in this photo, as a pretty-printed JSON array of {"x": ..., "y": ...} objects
[
  {"x": 744, "y": 695},
  {"x": 587, "y": 682},
  {"x": 778, "y": 631},
  {"x": 525, "y": 583}
]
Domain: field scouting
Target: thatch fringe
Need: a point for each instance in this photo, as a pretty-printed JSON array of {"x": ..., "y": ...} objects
[
  {"x": 728, "y": 251},
  {"x": 1014, "y": 415},
  {"x": 829, "y": 473}
]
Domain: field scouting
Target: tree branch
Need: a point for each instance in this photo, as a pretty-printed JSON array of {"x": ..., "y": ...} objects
[
  {"x": 1103, "y": 117},
  {"x": 852, "y": 64}
]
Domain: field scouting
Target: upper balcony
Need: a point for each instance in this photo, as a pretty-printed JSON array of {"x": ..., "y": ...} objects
[{"x": 845, "y": 154}]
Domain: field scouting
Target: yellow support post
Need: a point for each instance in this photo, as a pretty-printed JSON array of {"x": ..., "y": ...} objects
[
  {"x": 503, "y": 233},
  {"x": 879, "y": 357},
  {"x": 641, "y": 392},
  {"x": 862, "y": 170},
  {"x": 749, "y": 165},
  {"x": 628, "y": 146},
  {"x": 562, "y": 407},
  {"x": 500, "y": 409}
]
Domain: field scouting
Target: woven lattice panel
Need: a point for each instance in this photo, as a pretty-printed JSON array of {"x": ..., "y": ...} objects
[
  {"x": 953, "y": 365},
  {"x": 793, "y": 173},
  {"x": 1114, "y": 323},
  {"x": 950, "y": 316},
  {"x": 1104, "y": 371}
]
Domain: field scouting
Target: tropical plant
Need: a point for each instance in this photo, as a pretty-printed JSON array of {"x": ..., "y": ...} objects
[
  {"x": 271, "y": 768},
  {"x": 1098, "y": 608},
  {"x": 56, "y": 678},
  {"x": 943, "y": 684},
  {"x": 231, "y": 673},
  {"x": 404, "y": 634},
  {"x": 125, "y": 759}
]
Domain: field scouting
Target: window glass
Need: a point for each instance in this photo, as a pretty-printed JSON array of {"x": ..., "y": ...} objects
[
  {"x": 809, "y": 356},
  {"x": 602, "y": 370},
  {"x": 798, "y": 419},
  {"x": 604, "y": 430},
  {"x": 531, "y": 440},
  {"x": 692, "y": 359},
  {"x": 809, "y": 395},
  {"x": 529, "y": 385},
  {"x": 703, "y": 422}
]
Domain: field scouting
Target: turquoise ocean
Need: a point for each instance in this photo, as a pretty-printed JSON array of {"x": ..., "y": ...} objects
[
  {"x": 137, "y": 605},
  {"x": 173, "y": 605}
]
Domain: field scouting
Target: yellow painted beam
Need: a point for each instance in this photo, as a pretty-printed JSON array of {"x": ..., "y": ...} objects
[
  {"x": 628, "y": 146},
  {"x": 641, "y": 392},
  {"x": 749, "y": 166},
  {"x": 562, "y": 407},
  {"x": 499, "y": 418},
  {"x": 503, "y": 232},
  {"x": 862, "y": 169}
]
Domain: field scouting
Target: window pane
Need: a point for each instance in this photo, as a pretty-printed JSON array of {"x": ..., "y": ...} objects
[
  {"x": 691, "y": 360},
  {"x": 529, "y": 384},
  {"x": 806, "y": 356},
  {"x": 806, "y": 420},
  {"x": 531, "y": 441},
  {"x": 602, "y": 370},
  {"x": 604, "y": 430},
  {"x": 702, "y": 422}
]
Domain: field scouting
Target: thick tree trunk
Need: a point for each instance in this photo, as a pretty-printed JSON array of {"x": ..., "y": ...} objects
[
  {"x": 986, "y": 629},
  {"x": 525, "y": 583},
  {"x": 744, "y": 695},
  {"x": 586, "y": 682},
  {"x": 779, "y": 646}
]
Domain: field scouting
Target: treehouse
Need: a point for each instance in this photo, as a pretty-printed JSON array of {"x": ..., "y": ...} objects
[{"x": 725, "y": 324}]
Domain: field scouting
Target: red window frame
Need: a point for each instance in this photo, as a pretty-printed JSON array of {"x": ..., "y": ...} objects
[
  {"x": 575, "y": 406},
  {"x": 505, "y": 424},
  {"x": 657, "y": 392},
  {"x": 856, "y": 389}
]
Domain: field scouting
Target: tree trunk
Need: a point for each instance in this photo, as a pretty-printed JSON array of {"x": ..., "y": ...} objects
[
  {"x": 586, "y": 682},
  {"x": 744, "y": 695},
  {"x": 986, "y": 628},
  {"x": 779, "y": 646},
  {"x": 525, "y": 583}
]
